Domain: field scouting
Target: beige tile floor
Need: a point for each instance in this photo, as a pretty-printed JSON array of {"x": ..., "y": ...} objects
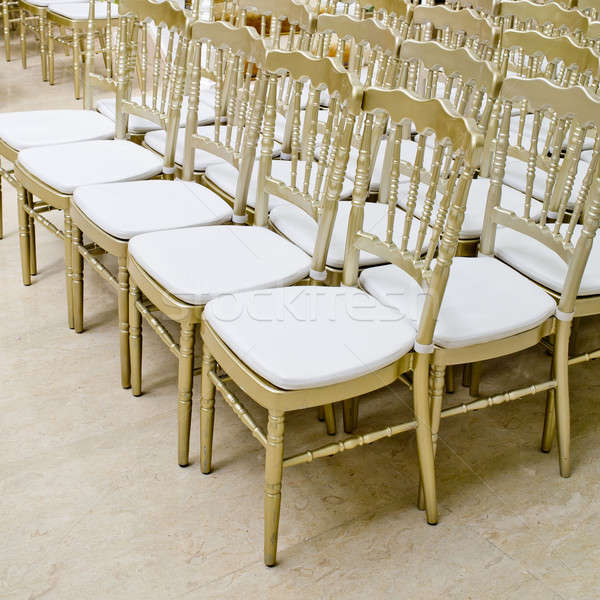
[{"x": 93, "y": 505}]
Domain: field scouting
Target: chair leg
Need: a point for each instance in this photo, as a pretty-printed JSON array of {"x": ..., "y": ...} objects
[
  {"x": 1, "y": 211},
  {"x": 135, "y": 339},
  {"x": 77, "y": 279},
  {"x": 32, "y": 244},
  {"x": 467, "y": 375},
  {"x": 549, "y": 422},
  {"x": 437, "y": 398},
  {"x": 24, "y": 235},
  {"x": 424, "y": 441},
  {"x": 273, "y": 477},
  {"x": 350, "y": 415},
  {"x": 475, "y": 379},
  {"x": 44, "y": 47},
  {"x": 123, "y": 301},
  {"x": 561, "y": 397},
  {"x": 68, "y": 268},
  {"x": 23, "y": 39},
  {"x": 184, "y": 385},
  {"x": 329, "y": 414},
  {"x": 207, "y": 413},
  {"x": 6, "y": 22},
  {"x": 50, "y": 56},
  {"x": 76, "y": 61}
]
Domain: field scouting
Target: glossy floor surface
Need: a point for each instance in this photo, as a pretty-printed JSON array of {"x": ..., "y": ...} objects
[{"x": 93, "y": 504}]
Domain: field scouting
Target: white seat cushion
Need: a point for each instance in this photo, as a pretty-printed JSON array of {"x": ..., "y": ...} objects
[
  {"x": 485, "y": 300},
  {"x": 515, "y": 176},
  {"x": 201, "y": 263},
  {"x": 475, "y": 210},
  {"x": 587, "y": 155},
  {"x": 79, "y": 11},
  {"x": 68, "y": 166},
  {"x": 302, "y": 337},
  {"x": 107, "y": 106},
  {"x": 225, "y": 176},
  {"x": 541, "y": 264},
  {"x": 301, "y": 229},
  {"x": 135, "y": 207},
  {"x": 33, "y": 128},
  {"x": 157, "y": 140}
]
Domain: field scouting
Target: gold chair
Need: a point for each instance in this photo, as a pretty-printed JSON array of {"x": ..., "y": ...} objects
[
  {"x": 9, "y": 8},
  {"x": 74, "y": 18},
  {"x": 456, "y": 29},
  {"x": 510, "y": 313},
  {"x": 110, "y": 214},
  {"x": 321, "y": 354},
  {"x": 176, "y": 270},
  {"x": 52, "y": 173}
]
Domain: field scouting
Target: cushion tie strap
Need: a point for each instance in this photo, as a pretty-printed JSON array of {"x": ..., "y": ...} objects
[
  {"x": 239, "y": 219},
  {"x": 168, "y": 170},
  {"x": 424, "y": 348},
  {"x": 318, "y": 275},
  {"x": 564, "y": 316}
]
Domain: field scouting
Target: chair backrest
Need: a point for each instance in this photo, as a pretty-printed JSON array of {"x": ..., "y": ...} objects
[
  {"x": 410, "y": 243},
  {"x": 456, "y": 29},
  {"x": 235, "y": 133},
  {"x": 107, "y": 78},
  {"x": 571, "y": 186},
  {"x": 549, "y": 18},
  {"x": 312, "y": 185},
  {"x": 289, "y": 24},
  {"x": 395, "y": 14},
  {"x": 559, "y": 59}
]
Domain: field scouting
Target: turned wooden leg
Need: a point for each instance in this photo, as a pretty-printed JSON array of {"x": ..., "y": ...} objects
[
  {"x": 44, "y": 47},
  {"x": 424, "y": 441},
  {"x": 475, "y": 379},
  {"x": 184, "y": 385},
  {"x": 32, "y": 244},
  {"x": 350, "y": 415},
  {"x": 273, "y": 477},
  {"x": 24, "y": 235},
  {"x": 6, "y": 23},
  {"x": 23, "y": 38},
  {"x": 77, "y": 278},
  {"x": 123, "y": 304},
  {"x": 450, "y": 384},
  {"x": 561, "y": 397},
  {"x": 436, "y": 386},
  {"x": 68, "y": 267},
  {"x": 76, "y": 65},
  {"x": 329, "y": 414},
  {"x": 50, "y": 56},
  {"x": 135, "y": 339},
  {"x": 207, "y": 412}
]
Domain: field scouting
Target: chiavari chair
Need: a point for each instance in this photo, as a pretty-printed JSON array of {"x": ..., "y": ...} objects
[
  {"x": 178, "y": 271},
  {"x": 509, "y": 312},
  {"x": 52, "y": 173},
  {"x": 110, "y": 214},
  {"x": 323, "y": 353},
  {"x": 396, "y": 14},
  {"x": 10, "y": 16}
]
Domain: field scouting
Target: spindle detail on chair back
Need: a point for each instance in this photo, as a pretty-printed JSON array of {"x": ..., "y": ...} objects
[
  {"x": 411, "y": 243},
  {"x": 570, "y": 189},
  {"x": 312, "y": 185}
]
